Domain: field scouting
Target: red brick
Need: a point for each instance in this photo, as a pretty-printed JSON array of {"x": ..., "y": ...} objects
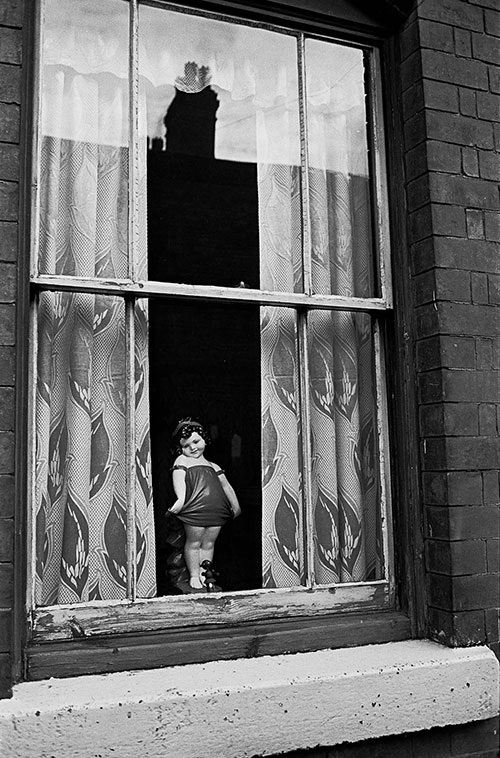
[
  {"x": 489, "y": 165},
  {"x": 487, "y": 420},
  {"x": 449, "y": 419},
  {"x": 409, "y": 41},
  {"x": 6, "y": 452},
  {"x": 470, "y": 161},
  {"x": 491, "y": 488},
  {"x": 421, "y": 223},
  {"x": 494, "y": 79},
  {"x": 436, "y": 36},
  {"x": 411, "y": 70},
  {"x": 6, "y": 574},
  {"x": 493, "y": 556},
  {"x": 7, "y": 359},
  {"x": 442, "y": 284},
  {"x": 7, "y": 324},
  {"x": 467, "y": 102},
  {"x": 448, "y": 68},
  {"x": 415, "y": 130},
  {"x": 10, "y": 46},
  {"x": 475, "y": 224},
  {"x": 8, "y": 201},
  {"x": 479, "y": 287},
  {"x": 11, "y": 12},
  {"x": 488, "y": 107},
  {"x": 6, "y": 496},
  {"x": 6, "y": 409},
  {"x": 462, "y": 318},
  {"x": 441, "y": 96},
  {"x": 460, "y": 629},
  {"x": 463, "y": 593},
  {"x": 441, "y": 156},
  {"x": 8, "y": 275},
  {"x": 494, "y": 289},
  {"x": 416, "y": 162},
  {"x": 492, "y": 226},
  {"x": 6, "y": 540},
  {"x": 446, "y": 352},
  {"x": 9, "y": 162},
  {"x": 456, "y": 558},
  {"x": 8, "y": 241},
  {"x": 463, "y": 190},
  {"x": 453, "y": 12},
  {"x": 465, "y": 254},
  {"x": 10, "y": 83},
  {"x": 471, "y": 453},
  {"x": 448, "y": 220},
  {"x": 463, "y": 45},
  {"x": 5, "y": 630},
  {"x": 486, "y": 48},
  {"x": 484, "y": 353},
  {"x": 413, "y": 100},
  {"x": 430, "y": 385},
  {"x": 492, "y": 22},
  {"x": 9, "y": 122},
  {"x": 462, "y": 522},
  {"x": 458, "y": 130},
  {"x": 417, "y": 192}
]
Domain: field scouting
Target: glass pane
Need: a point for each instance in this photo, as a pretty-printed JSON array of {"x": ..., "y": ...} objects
[
  {"x": 84, "y": 138},
  {"x": 81, "y": 494},
  {"x": 220, "y": 109},
  {"x": 341, "y": 230},
  {"x": 205, "y": 364},
  {"x": 345, "y": 471}
]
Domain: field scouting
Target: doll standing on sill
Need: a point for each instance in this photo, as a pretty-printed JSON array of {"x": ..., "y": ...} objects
[{"x": 205, "y": 499}]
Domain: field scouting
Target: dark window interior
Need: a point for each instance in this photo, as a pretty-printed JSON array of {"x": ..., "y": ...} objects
[{"x": 205, "y": 356}]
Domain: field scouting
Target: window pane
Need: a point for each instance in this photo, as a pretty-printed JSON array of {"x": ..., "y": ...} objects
[
  {"x": 205, "y": 363},
  {"x": 345, "y": 471},
  {"x": 81, "y": 489},
  {"x": 342, "y": 246},
  {"x": 220, "y": 107},
  {"x": 84, "y": 139}
]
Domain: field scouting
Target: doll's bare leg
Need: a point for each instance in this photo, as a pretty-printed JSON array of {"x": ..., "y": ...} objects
[
  {"x": 194, "y": 537},
  {"x": 208, "y": 543}
]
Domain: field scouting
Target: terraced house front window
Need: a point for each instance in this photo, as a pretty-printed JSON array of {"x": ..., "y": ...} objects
[{"x": 211, "y": 242}]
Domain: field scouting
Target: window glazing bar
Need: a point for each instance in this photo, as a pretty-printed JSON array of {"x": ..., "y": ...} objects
[
  {"x": 130, "y": 445},
  {"x": 384, "y": 456},
  {"x": 381, "y": 215},
  {"x": 122, "y": 287},
  {"x": 304, "y": 168},
  {"x": 134, "y": 158},
  {"x": 305, "y": 409}
]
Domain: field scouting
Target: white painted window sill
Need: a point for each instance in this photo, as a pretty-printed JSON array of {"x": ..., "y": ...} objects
[{"x": 250, "y": 707}]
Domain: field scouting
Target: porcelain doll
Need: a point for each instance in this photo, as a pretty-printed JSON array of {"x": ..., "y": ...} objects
[{"x": 205, "y": 499}]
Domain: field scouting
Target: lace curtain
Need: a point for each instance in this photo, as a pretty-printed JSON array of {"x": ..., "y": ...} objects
[{"x": 80, "y": 399}]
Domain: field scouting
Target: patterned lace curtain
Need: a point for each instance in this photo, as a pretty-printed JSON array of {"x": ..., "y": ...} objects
[
  {"x": 343, "y": 433},
  {"x": 80, "y": 396}
]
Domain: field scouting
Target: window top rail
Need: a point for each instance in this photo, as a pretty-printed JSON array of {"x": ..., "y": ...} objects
[{"x": 152, "y": 289}]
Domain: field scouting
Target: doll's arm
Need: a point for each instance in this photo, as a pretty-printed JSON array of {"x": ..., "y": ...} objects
[
  {"x": 231, "y": 495},
  {"x": 179, "y": 482}
]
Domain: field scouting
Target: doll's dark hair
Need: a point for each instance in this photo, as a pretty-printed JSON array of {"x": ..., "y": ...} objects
[{"x": 185, "y": 428}]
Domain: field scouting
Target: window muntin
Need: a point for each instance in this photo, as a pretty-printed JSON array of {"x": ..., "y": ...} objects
[{"x": 345, "y": 298}]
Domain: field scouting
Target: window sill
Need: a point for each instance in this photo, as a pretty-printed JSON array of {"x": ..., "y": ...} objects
[{"x": 254, "y": 707}]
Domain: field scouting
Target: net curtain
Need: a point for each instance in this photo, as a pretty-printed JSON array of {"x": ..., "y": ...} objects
[{"x": 80, "y": 396}]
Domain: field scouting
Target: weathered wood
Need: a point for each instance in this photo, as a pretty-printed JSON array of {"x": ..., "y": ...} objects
[
  {"x": 122, "y": 616},
  {"x": 203, "y": 644},
  {"x": 121, "y": 287}
]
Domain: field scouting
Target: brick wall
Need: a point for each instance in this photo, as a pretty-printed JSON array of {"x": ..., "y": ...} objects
[
  {"x": 11, "y": 12},
  {"x": 451, "y": 85}
]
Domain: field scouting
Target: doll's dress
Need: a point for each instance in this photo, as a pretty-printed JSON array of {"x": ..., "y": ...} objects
[{"x": 206, "y": 503}]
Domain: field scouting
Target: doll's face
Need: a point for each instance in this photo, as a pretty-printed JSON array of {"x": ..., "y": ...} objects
[{"x": 192, "y": 446}]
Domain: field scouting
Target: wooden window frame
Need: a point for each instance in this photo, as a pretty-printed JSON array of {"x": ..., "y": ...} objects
[{"x": 115, "y": 635}]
